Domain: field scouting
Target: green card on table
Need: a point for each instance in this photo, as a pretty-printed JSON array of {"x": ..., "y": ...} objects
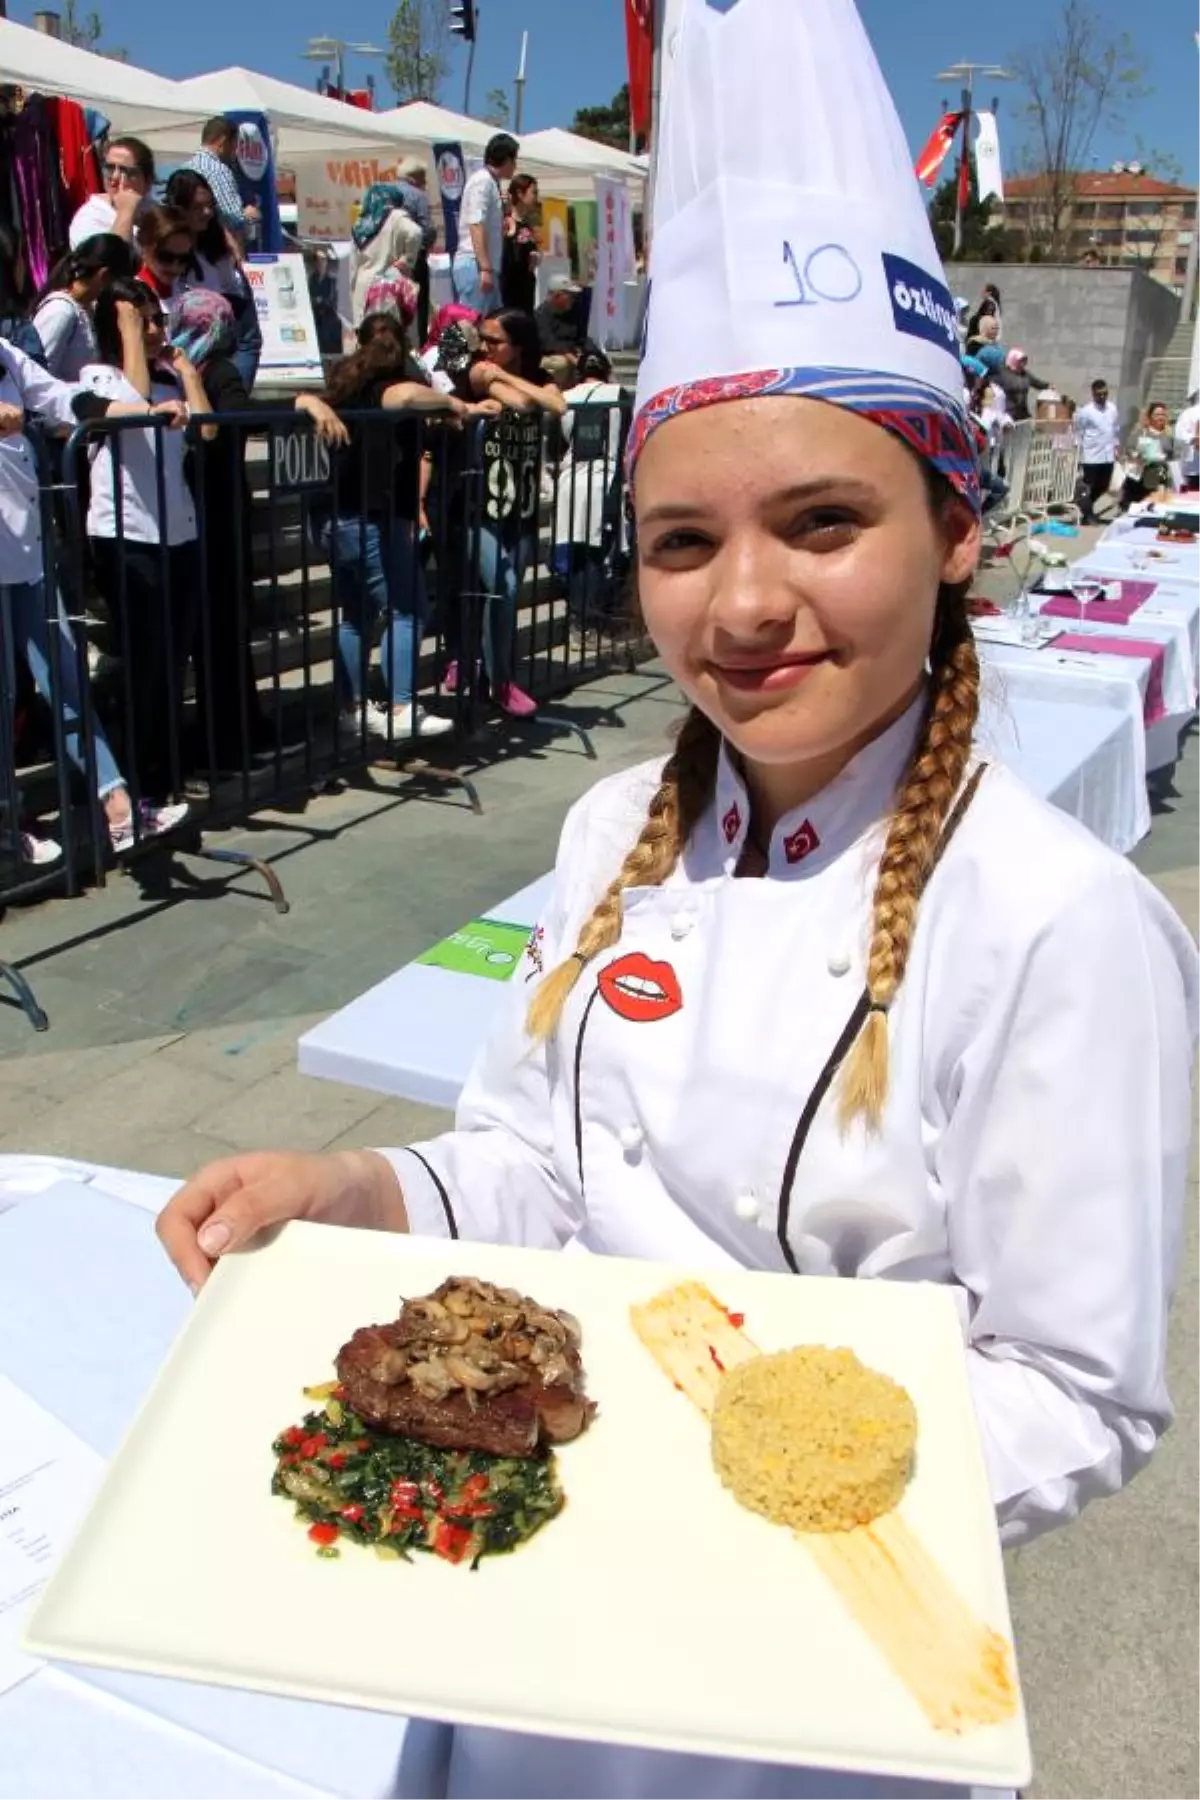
[{"x": 488, "y": 947}]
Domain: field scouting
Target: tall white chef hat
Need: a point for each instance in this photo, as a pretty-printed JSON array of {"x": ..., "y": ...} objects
[{"x": 791, "y": 252}]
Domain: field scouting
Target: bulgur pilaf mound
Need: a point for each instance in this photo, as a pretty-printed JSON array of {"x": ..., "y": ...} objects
[{"x": 813, "y": 1438}]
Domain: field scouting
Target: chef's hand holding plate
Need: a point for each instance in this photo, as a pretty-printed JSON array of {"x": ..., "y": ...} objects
[{"x": 227, "y": 1203}]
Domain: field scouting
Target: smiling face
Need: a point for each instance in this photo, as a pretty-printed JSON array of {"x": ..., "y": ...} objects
[
  {"x": 1158, "y": 418},
  {"x": 789, "y": 565}
]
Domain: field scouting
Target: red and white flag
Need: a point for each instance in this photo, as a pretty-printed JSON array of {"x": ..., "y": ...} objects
[
  {"x": 934, "y": 154},
  {"x": 639, "y": 48}
]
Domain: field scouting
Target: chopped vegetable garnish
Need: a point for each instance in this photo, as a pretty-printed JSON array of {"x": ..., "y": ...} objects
[{"x": 402, "y": 1496}]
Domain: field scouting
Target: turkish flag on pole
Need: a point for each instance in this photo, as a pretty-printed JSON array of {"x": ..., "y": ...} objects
[
  {"x": 934, "y": 154},
  {"x": 639, "y": 47}
]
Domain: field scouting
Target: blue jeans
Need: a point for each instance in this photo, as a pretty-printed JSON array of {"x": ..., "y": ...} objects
[
  {"x": 25, "y": 627},
  {"x": 376, "y": 573},
  {"x": 468, "y": 286},
  {"x": 501, "y": 566}
]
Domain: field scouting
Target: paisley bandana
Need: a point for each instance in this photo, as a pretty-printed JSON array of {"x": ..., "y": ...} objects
[{"x": 927, "y": 420}]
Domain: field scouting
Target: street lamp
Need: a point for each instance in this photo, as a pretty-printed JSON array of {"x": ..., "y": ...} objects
[
  {"x": 964, "y": 73},
  {"x": 328, "y": 49}
]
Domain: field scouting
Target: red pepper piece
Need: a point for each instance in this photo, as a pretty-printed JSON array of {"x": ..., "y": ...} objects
[
  {"x": 337, "y": 1460},
  {"x": 323, "y": 1534},
  {"x": 452, "y": 1542},
  {"x": 293, "y": 1435},
  {"x": 352, "y": 1514},
  {"x": 737, "y": 1320},
  {"x": 475, "y": 1487},
  {"x": 312, "y": 1446}
]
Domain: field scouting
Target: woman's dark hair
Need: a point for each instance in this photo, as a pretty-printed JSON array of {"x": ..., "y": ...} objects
[
  {"x": 520, "y": 328},
  {"x": 519, "y": 186},
  {"x": 141, "y": 153},
  {"x": 158, "y": 223},
  {"x": 182, "y": 189},
  {"x": 593, "y": 365},
  {"x": 991, "y": 291},
  {"x": 104, "y": 254},
  {"x": 382, "y": 351},
  {"x": 107, "y": 323}
]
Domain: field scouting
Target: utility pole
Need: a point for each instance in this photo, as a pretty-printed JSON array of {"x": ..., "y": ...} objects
[
  {"x": 965, "y": 72},
  {"x": 519, "y": 84}
]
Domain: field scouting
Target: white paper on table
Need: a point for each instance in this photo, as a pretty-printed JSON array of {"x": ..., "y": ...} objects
[{"x": 47, "y": 1477}]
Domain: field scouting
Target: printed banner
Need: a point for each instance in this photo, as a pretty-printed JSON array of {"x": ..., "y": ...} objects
[
  {"x": 553, "y": 234},
  {"x": 934, "y": 154},
  {"x": 452, "y": 178},
  {"x": 585, "y": 220},
  {"x": 488, "y": 947},
  {"x": 254, "y": 172},
  {"x": 329, "y": 191},
  {"x": 988, "y": 175},
  {"x": 615, "y": 262},
  {"x": 285, "y": 315}
]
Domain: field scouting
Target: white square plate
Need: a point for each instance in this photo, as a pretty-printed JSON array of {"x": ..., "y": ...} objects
[{"x": 653, "y": 1611}]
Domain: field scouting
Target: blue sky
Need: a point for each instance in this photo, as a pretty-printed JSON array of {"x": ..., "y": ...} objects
[{"x": 577, "y": 52}]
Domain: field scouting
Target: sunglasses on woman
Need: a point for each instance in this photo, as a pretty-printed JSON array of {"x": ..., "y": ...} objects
[
  {"x": 126, "y": 171},
  {"x": 173, "y": 259}
]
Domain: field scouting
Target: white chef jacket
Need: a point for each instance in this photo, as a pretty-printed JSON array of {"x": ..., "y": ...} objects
[
  {"x": 1098, "y": 430},
  {"x": 1186, "y": 426},
  {"x": 1032, "y": 1154},
  {"x": 26, "y": 384}
]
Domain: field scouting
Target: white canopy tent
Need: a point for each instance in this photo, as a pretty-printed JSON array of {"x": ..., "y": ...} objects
[
  {"x": 131, "y": 99},
  {"x": 303, "y": 123},
  {"x": 566, "y": 149}
]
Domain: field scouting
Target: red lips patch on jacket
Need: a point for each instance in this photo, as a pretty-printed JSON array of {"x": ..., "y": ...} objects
[{"x": 638, "y": 989}]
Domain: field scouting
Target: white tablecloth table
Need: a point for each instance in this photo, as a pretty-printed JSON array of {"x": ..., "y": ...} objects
[
  {"x": 415, "y": 1035},
  {"x": 88, "y": 1307},
  {"x": 1075, "y": 737}
]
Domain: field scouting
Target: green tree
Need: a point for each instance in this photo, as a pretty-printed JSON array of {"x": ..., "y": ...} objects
[
  {"x": 606, "y": 124},
  {"x": 497, "y": 113},
  {"x": 984, "y": 240},
  {"x": 1076, "y": 79},
  {"x": 85, "y": 33},
  {"x": 418, "y": 60}
]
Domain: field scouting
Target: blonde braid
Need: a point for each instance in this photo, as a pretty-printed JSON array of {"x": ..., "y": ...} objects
[
  {"x": 679, "y": 800},
  {"x": 934, "y": 778}
]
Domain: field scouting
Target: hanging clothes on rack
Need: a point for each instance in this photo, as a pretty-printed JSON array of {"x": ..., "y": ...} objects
[
  {"x": 40, "y": 192},
  {"x": 77, "y": 164}
]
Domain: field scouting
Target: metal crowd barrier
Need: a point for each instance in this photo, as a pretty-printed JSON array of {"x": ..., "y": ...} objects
[{"x": 218, "y": 669}]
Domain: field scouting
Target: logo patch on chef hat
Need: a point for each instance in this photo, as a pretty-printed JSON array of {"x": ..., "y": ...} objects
[
  {"x": 802, "y": 843},
  {"x": 731, "y": 824}
]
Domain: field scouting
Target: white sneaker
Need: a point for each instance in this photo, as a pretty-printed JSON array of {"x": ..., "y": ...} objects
[
  {"x": 376, "y": 720},
  {"x": 153, "y": 822},
  {"x": 39, "y": 851},
  {"x": 410, "y": 721}
]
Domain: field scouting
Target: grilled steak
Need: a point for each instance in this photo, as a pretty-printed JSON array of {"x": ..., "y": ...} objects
[{"x": 470, "y": 1367}]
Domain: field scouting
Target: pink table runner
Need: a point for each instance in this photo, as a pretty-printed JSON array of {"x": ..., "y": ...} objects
[
  {"x": 1154, "y": 654},
  {"x": 1103, "y": 612}
]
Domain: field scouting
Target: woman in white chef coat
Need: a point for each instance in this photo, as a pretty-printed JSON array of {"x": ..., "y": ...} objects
[{"x": 823, "y": 991}]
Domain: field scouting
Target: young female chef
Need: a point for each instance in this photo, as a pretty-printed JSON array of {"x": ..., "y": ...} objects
[{"x": 823, "y": 991}]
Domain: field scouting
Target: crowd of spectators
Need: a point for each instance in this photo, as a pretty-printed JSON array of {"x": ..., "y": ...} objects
[
  {"x": 1001, "y": 390},
  {"x": 149, "y": 315}
]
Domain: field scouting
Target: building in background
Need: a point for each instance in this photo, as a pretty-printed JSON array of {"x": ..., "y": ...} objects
[{"x": 1122, "y": 217}]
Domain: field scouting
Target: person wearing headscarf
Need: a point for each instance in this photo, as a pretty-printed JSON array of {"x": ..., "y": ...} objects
[
  {"x": 385, "y": 238},
  {"x": 231, "y": 726},
  {"x": 823, "y": 991},
  {"x": 1016, "y": 379}
]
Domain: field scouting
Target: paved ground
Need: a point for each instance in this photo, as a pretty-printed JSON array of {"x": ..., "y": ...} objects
[{"x": 174, "y": 1017}]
